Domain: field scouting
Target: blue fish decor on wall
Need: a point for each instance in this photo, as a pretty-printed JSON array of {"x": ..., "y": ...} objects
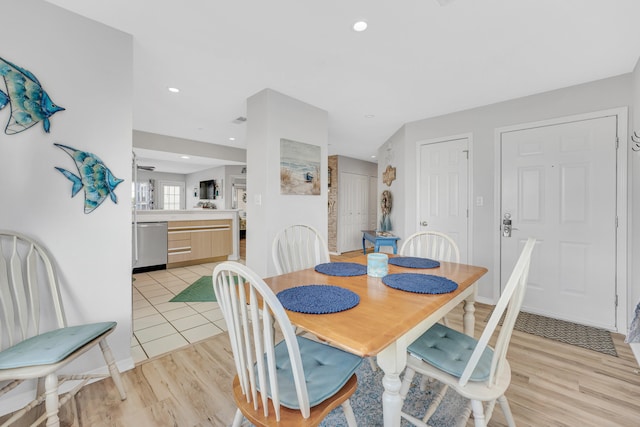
[
  {"x": 96, "y": 178},
  {"x": 29, "y": 102}
]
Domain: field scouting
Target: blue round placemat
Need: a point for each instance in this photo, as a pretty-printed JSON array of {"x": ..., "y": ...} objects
[
  {"x": 420, "y": 283},
  {"x": 318, "y": 299},
  {"x": 414, "y": 262},
  {"x": 342, "y": 269}
]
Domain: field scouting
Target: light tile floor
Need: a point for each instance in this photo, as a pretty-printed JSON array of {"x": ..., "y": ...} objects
[{"x": 160, "y": 326}]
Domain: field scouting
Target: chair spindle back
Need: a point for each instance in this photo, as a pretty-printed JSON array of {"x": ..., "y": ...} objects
[{"x": 298, "y": 247}]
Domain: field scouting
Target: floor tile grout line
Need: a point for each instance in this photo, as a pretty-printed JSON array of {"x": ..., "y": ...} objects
[{"x": 178, "y": 332}]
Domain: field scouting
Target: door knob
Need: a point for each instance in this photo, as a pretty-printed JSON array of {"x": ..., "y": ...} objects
[
  {"x": 424, "y": 223},
  {"x": 507, "y": 227}
]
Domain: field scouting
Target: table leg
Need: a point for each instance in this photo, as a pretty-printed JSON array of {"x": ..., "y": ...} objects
[
  {"x": 364, "y": 248},
  {"x": 395, "y": 248},
  {"x": 392, "y": 360},
  {"x": 469, "y": 318}
]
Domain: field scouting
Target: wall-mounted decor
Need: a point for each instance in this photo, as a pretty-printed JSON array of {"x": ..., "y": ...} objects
[
  {"x": 389, "y": 175},
  {"x": 95, "y": 177},
  {"x": 219, "y": 191},
  {"x": 208, "y": 189},
  {"x": 29, "y": 102},
  {"x": 636, "y": 141},
  {"x": 386, "y": 202},
  {"x": 299, "y": 168}
]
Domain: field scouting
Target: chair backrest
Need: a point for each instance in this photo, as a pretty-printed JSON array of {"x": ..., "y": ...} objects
[
  {"x": 431, "y": 244},
  {"x": 251, "y": 311},
  {"x": 298, "y": 247},
  {"x": 28, "y": 290},
  {"x": 511, "y": 301}
]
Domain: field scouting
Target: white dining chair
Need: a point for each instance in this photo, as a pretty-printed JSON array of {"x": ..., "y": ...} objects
[
  {"x": 469, "y": 366},
  {"x": 35, "y": 339},
  {"x": 431, "y": 244},
  {"x": 298, "y": 247},
  {"x": 434, "y": 245},
  {"x": 296, "y": 381}
]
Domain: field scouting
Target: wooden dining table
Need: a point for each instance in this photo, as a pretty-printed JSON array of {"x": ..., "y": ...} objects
[{"x": 386, "y": 320}]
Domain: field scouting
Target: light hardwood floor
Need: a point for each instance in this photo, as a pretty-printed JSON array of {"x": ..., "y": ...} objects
[{"x": 553, "y": 384}]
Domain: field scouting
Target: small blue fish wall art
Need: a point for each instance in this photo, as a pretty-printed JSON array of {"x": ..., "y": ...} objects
[
  {"x": 29, "y": 102},
  {"x": 94, "y": 176}
]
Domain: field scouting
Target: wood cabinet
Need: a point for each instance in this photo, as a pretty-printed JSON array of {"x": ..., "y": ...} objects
[{"x": 195, "y": 242}]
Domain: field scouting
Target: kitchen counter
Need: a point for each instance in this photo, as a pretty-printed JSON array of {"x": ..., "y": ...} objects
[{"x": 197, "y": 215}]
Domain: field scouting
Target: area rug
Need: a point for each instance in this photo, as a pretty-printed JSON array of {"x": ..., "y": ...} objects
[
  {"x": 199, "y": 291},
  {"x": 566, "y": 332},
  {"x": 367, "y": 403}
]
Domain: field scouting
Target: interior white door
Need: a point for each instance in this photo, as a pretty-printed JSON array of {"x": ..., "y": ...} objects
[
  {"x": 443, "y": 190},
  {"x": 353, "y": 199},
  {"x": 559, "y": 185},
  {"x": 373, "y": 203}
]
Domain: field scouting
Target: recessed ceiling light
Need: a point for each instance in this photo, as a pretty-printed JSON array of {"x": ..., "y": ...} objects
[
  {"x": 373, "y": 157},
  {"x": 360, "y": 26},
  {"x": 185, "y": 157},
  {"x": 232, "y": 139},
  {"x": 173, "y": 89},
  {"x": 369, "y": 116}
]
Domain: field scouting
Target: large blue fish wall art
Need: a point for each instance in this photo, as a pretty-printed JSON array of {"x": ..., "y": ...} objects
[
  {"x": 29, "y": 102},
  {"x": 94, "y": 176}
]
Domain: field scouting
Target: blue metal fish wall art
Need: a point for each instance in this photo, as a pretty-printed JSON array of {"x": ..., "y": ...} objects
[
  {"x": 96, "y": 178},
  {"x": 29, "y": 102}
]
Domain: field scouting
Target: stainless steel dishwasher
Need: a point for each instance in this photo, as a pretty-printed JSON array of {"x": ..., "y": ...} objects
[{"x": 151, "y": 251}]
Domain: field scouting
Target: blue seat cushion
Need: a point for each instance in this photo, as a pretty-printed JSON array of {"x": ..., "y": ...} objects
[
  {"x": 450, "y": 350},
  {"x": 51, "y": 347},
  {"x": 326, "y": 370}
]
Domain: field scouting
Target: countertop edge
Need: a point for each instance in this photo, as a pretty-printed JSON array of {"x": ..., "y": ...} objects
[{"x": 161, "y": 216}]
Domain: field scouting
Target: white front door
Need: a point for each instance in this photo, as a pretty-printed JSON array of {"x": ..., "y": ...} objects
[
  {"x": 443, "y": 190},
  {"x": 559, "y": 185}
]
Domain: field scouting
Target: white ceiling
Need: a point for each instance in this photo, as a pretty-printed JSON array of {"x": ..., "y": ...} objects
[{"x": 417, "y": 59}]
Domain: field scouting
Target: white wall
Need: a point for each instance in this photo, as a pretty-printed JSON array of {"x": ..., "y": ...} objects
[
  {"x": 193, "y": 186},
  {"x": 270, "y": 117},
  {"x": 231, "y": 173},
  {"x": 357, "y": 166},
  {"x": 634, "y": 189},
  {"x": 393, "y": 153},
  {"x": 481, "y": 123},
  {"x": 86, "y": 68}
]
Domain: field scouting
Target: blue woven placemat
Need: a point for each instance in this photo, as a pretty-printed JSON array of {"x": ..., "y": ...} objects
[
  {"x": 420, "y": 283},
  {"x": 318, "y": 299},
  {"x": 414, "y": 262},
  {"x": 341, "y": 269}
]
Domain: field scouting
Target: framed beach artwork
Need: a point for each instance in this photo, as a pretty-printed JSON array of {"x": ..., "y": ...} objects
[{"x": 299, "y": 168}]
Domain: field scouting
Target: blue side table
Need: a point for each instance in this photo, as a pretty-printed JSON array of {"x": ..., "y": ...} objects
[{"x": 378, "y": 240}]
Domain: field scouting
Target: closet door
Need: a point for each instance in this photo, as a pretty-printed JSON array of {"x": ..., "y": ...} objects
[
  {"x": 373, "y": 203},
  {"x": 443, "y": 190},
  {"x": 353, "y": 195}
]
